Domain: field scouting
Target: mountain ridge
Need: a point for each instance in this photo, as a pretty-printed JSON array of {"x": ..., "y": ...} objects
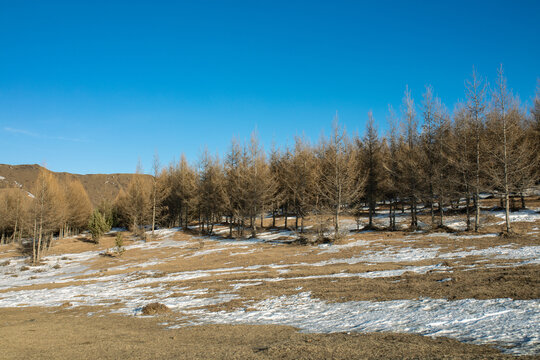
[{"x": 100, "y": 187}]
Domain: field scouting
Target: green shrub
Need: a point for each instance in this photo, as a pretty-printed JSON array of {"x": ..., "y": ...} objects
[
  {"x": 98, "y": 225},
  {"x": 119, "y": 242}
]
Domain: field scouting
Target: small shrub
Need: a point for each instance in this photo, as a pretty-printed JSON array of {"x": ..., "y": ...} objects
[
  {"x": 98, "y": 226},
  {"x": 119, "y": 243},
  {"x": 5, "y": 263},
  {"x": 24, "y": 268},
  {"x": 57, "y": 266}
]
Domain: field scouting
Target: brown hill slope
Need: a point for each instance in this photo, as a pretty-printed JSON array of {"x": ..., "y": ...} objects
[{"x": 98, "y": 186}]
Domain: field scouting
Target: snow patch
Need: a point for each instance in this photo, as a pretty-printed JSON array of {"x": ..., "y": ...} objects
[{"x": 512, "y": 325}]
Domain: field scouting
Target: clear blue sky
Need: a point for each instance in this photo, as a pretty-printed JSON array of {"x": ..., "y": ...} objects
[{"x": 91, "y": 86}]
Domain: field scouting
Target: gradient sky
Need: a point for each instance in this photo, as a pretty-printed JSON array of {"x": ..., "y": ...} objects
[{"x": 90, "y": 87}]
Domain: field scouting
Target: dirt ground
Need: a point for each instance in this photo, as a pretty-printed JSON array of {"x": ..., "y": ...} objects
[
  {"x": 366, "y": 266},
  {"x": 34, "y": 333}
]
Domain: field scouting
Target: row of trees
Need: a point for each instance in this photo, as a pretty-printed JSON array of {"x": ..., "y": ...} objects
[
  {"x": 489, "y": 144},
  {"x": 51, "y": 208}
]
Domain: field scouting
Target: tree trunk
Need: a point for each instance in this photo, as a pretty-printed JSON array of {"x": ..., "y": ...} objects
[
  {"x": 441, "y": 212},
  {"x": 154, "y": 210},
  {"x": 34, "y": 253},
  {"x": 477, "y": 187},
  {"x": 431, "y": 205},
  {"x": 468, "y": 213}
]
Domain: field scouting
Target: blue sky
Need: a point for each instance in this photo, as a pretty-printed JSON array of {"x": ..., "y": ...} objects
[{"x": 90, "y": 87}]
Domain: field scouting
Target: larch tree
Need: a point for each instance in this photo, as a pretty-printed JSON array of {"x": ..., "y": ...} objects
[
  {"x": 47, "y": 211},
  {"x": 212, "y": 196},
  {"x": 155, "y": 202},
  {"x": 134, "y": 206},
  {"x": 392, "y": 168},
  {"x": 476, "y": 92},
  {"x": 278, "y": 173},
  {"x": 182, "y": 186},
  {"x": 300, "y": 180},
  {"x": 261, "y": 185},
  {"x": 410, "y": 157},
  {"x": 160, "y": 190},
  {"x": 370, "y": 156},
  {"x": 79, "y": 207},
  {"x": 509, "y": 151},
  {"x": 235, "y": 168},
  {"x": 429, "y": 111},
  {"x": 463, "y": 158},
  {"x": 336, "y": 185}
]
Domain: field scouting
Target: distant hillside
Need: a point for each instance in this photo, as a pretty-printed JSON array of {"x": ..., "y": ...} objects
[{"x": 99, "y": 186}]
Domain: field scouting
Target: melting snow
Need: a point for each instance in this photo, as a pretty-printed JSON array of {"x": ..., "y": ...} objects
[{"x": 510, "y": 324}]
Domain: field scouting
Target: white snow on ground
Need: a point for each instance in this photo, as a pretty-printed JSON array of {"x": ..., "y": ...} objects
[
  {"x": 208, "y": 251},
  {"x": 251, "y": 251},
  {"x": 164, "y": 232},
  {"x": 164, "y": 243},
  {"x": 459, "y": 236},
  {"x": 365, "y": 275},
  {"x": 276, "y": 235},
  {"x": 67, "y": 266},
  {"x": 518, "y": 216},
  {"x": 407, "y": 254},
  {"x": 501, "y": 322},
  {"x": 132, "y": 289},
  {"x": 2, "y": 178},
  {"x": 499, "y": 252},
  {"x": 331, "y": 248},
  {"x": 512, "y": 325}
]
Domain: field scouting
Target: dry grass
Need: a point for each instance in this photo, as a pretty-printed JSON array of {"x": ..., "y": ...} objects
[
  {"x": 74, "y": 335},
  {"x": 155, "y": 308}
]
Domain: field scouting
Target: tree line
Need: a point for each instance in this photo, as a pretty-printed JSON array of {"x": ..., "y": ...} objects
[
  {"x": 489, "y": 143},
  {"x": 429, "y": 159},
  {"x": 51, "y": 208}
]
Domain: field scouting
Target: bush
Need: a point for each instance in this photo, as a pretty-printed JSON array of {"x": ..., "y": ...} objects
[
  {"x": 98, "y": 226},
  {"x": 119, "y": 242}
]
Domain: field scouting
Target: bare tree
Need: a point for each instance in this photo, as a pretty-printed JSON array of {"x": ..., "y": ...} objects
[
  {"x": 261, "y": 186},
  {"x": 476, "y": 91},
  {"x": 336, "y": 185},
  {"x": 371, "y": 166},
  {"x": 300, "y": 180},
  {"x": 509, "y": 162},
  {"x": 79, "y": 207},
  {"x": 410, "y": 161},
  {"x": 181, "y": 183},
  {"x": 212, "y": 196},
  {"x": 391, "y": 164},
  {"x": 464, "y": 156},
  {"x": 46, "y": 211}
]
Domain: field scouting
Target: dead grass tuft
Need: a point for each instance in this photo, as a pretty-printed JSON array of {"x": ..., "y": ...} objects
[{"x": 155, "y": 309}]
